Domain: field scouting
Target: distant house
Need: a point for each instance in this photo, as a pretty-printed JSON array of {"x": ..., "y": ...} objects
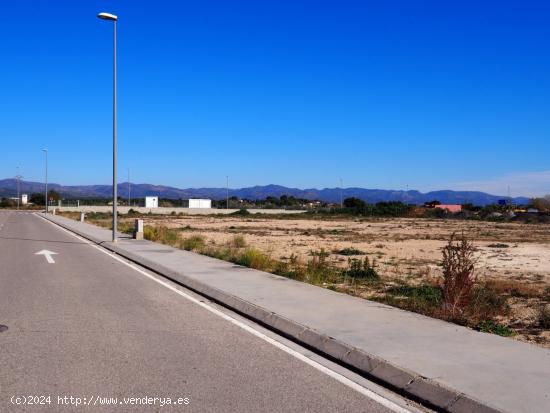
[{"x": 454, "y": 208}]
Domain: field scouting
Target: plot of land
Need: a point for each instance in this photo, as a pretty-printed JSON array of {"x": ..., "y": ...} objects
[{"x": 513, "y": 257}]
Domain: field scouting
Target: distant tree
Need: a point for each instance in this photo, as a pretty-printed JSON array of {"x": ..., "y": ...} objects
[
  {"x": 53, "y": 195},
  {"x": 392, "y": 209},
  {"x": 37, "y": 198},
  {"x": 542, "y": 204},
  {"x": 432, "y": 204},
  {"x": 355, "y": 203},
  {"x": 7, "y": 203}
]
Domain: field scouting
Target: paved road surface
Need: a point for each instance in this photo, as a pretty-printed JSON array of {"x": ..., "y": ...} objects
[{"x": 90, "y": 326}]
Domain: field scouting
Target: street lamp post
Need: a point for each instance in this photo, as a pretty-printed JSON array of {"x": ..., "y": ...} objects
[
  {"x": 129, "y": 193},
  {"x": 18, "y": 177},
  {"x": 227, "y": 192},
  {"x": 113, "y": 18},
  {"x": 46, "y": 189}
]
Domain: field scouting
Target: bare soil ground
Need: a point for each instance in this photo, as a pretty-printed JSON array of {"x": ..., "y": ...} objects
[
  {"x": 514, "y": 257},
  {"x": 403, "y": 247}
]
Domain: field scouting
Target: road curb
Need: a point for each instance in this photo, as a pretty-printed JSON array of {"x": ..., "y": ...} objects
[{"x": 400, "y": 380}]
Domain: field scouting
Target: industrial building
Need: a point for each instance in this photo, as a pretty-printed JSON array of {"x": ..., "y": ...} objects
[
  {"x": 151, "y": 202},
  {"x": 198, "y": 203}
]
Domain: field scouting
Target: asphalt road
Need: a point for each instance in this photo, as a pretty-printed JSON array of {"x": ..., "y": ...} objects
[{"x": 90, "y": 327}]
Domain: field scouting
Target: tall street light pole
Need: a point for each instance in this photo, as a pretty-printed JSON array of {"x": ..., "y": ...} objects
[
  {"x": 113, "y": 18},
  {"x": 46, "y": 189}
]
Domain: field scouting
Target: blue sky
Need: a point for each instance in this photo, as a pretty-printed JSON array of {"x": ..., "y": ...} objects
[{"x": 383, "y": 94}]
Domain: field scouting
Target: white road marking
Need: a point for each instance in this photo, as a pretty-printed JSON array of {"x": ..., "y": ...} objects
[
  {"x": 337, "y": 376},
  {"x": 48, "y": 255}
]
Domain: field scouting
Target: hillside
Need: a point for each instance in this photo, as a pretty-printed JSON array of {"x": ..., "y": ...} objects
[{"x": 8, "y": 187}]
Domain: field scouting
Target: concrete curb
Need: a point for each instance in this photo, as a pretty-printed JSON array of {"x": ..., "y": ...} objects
[{"x": 400, "y": 380}]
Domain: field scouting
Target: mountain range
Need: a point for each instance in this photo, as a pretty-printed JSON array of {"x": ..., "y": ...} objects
[{"x": 8, "y": 187}]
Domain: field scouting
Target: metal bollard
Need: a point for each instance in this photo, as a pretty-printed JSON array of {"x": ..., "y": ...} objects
[{"x": 138, "y": 229}]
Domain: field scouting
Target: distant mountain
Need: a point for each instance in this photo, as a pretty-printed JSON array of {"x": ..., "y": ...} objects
[{"x": 8, "y": 187}]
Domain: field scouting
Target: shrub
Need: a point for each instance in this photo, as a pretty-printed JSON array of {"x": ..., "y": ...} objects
[
  {"x": 543, "y": 317},
  {"x": 458, "y": 275},
  {"x": 431, "y": 295},
  {"x": 253, "y": 258},
  {"x": 238, "y": 241},
  {"x": 424, "y": 299},
  {"x": 350, "y": 251},
  {"x": 361, "y": 269},
  {"x": 485, "y": 304},
  {"x": 498, "y": 245},
  {"x": 194, "y": 243},
  {"x": 493, "y": 327},
  {"x": 242, "y": 211}
]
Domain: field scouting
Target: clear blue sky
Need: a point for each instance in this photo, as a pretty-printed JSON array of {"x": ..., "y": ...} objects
[{"x": 385, "y": 94}]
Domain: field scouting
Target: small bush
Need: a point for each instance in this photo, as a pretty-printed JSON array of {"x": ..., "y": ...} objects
[
  {"x": 238, "y": 241},
  {"x": 543, "y": 317},
  {"x": 361, "y": 269},
  {"x": 350, "y": 251},
  {"x": 320, "y": 253},
  {"x": 485, "y": 304},
  {"x": 498, "y": 245},
  {"x": 194, "y": 243},
  {"x": 242, "y": 211},
  {"x": 493, "y": 327},
  {"x": 423, "y": 299},
  {"x": 161, "y": 234},
  {"x": 253, "y": 258},
  {"x": 428, "y": 294},
  {"x": 458, "y": 275}
]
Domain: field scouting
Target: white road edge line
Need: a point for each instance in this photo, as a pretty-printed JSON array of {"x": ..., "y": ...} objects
[{"x": 337, "y": 376}]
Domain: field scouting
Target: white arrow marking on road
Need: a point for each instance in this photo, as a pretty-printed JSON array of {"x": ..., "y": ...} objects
[{"x": 48, "y": 255}]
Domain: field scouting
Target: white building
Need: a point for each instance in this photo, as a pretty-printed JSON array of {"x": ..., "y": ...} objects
[
  {"x": 151, "y": 202},
  {"x": 24, "y": 199},
  {"x": 200, "y": 203}
]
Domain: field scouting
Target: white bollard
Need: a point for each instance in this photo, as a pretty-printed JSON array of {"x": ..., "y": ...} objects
[
  {"x": 138, "y": 229},
  {"x": 82, "y": 216}
]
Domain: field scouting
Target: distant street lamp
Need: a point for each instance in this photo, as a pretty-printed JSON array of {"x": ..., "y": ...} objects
[
  {"x": 18, "y": 177},
  {"x": 113, "y": 18},
  {"x": 46, "y": 190},
  {"x": 129, "y": 194},
  {"x": 227, "y": 192}
]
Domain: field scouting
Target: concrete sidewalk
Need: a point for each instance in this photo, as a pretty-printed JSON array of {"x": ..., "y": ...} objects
[{"x": 447, "y": 366}]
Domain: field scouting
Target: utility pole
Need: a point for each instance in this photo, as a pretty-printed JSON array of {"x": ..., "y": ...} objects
[
  {"x": 227, "y": 192},
  {"x": 46, "y": 190}
]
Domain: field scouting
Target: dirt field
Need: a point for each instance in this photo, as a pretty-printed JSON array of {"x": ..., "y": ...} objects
[
  {"x": 403, "y": 247},
  {"x": 513, "y": 257}
]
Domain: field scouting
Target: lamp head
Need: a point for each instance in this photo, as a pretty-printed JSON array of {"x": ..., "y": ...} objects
[{"x": 107, "y": 16}]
